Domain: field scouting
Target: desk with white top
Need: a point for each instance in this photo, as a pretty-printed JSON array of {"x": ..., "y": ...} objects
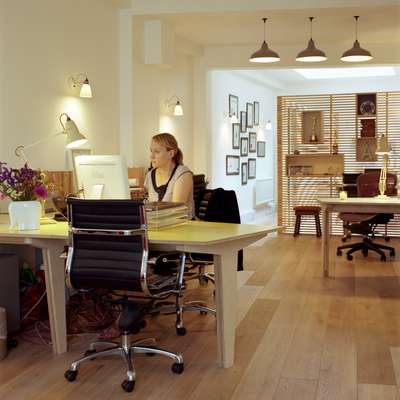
[
  {"x": 221, "y": 239},
  {"x": 390, "y": 204}
]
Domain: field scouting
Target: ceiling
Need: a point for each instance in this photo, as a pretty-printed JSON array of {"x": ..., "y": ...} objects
[{"x": 286, "y": 27}]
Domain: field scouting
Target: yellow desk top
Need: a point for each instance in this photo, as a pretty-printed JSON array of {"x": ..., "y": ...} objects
[{"x": 192, "y": 232}]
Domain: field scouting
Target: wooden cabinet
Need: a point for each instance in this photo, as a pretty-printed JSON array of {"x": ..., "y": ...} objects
[{"x": 314, "y": 164}]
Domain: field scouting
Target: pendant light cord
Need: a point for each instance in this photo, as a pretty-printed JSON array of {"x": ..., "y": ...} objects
[
  {"x": 264, "y": 20},
  {"x": 356, "y": 18},
  {"x": 311, "y": 19}
]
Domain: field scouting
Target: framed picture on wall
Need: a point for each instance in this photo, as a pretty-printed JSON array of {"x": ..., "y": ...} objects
[
  {"x": 252, "y": 142},
  {"x": 235, "y": 136},
  {"x": 261, "y": 149},
  {"x": 256, "y": 113},
  {"x": 243, "y": 121},
  {"x": 232, "y": 165},
  {"x": 250, "y": 116},
  {"x": 233, "y": 105},
  {"x": 244, "y": 173},
  {"x": 252, "y": 168},
  {"x": 244, "y": 147}
]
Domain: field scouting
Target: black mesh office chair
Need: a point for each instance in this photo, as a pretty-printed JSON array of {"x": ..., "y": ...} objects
[
  {"x": 365, "y": 224},
  {"x": 109, "y": 250}
]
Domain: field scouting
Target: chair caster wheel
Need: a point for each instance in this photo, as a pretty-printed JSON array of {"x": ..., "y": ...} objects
[
  {"x": 349, "y": 257},
  {"x": 203, "y": 312},
  {"x": 11, "y": 343},
  {"x": 70, "y": 375},
  {"x": 344, "y": 239},
  {"x": 338, "y": 252},
  {"x": 387, "y": 238},
  {"x": 203, "y": 281},
  {"x": 181, "y": 331},
  {"x": 392, "y": 253},
  {"x": 128, "y": 386},
  {"x": 365, "y": 253},
  {"x": 177, "y": 368},
  {"x": 383, "y": 258},
  {"x": 89, "y": 353}
]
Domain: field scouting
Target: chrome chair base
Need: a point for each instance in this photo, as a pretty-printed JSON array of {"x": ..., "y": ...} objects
[{"x": 126, "y": 349}]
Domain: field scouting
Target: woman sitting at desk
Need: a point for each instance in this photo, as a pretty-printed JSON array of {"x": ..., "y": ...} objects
[{"x": 169, "y": 179}]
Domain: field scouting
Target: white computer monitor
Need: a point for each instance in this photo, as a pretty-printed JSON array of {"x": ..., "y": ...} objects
[{"x": 102, "y": 177}]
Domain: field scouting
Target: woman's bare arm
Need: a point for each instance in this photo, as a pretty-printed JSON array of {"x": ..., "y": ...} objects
[{"x": 183, "y": 188}]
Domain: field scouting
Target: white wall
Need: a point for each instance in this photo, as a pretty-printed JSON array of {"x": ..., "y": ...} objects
[
  {"x": 43, "y": 42},
  {"x": 152, "y": 86},
  {"x": 223, "y": 83}
]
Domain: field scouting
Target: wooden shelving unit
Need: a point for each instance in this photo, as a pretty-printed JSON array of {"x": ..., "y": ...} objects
[{"x": 314, "y": 165}]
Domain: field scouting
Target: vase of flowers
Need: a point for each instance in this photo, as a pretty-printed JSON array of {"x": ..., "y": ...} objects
[{"x": 25, "y": 187}]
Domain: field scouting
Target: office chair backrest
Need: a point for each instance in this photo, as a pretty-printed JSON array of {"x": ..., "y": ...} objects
[
  {"x": 199, "y": 185},
  {"x": 109, "y": 246},
  {"x": 368, "y": 184}
]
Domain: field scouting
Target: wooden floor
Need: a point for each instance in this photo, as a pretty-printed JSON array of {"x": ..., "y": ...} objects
[{"x": 299, "y": 336}]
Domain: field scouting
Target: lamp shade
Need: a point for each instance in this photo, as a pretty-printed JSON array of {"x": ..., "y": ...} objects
[
  {"x": 311, "y": 54},
  {"x": 264, "y": 55},
  {"x": 178, "y": 110},
  {"x": 74, "y": 137},
  {"x": 384, "y": 146},
  {"x": 356, "y": 54},
  {"x": 86, "y": 90}
]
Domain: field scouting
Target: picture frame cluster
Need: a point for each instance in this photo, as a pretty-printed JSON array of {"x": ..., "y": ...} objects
[{"x": 244, "y": 141}]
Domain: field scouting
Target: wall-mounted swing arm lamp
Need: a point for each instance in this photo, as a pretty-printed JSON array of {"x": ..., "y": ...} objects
[
  {"x": 81, "y": 79},
  {"x": 174, "y": 102},
  {"x": 74, "y": 137}
]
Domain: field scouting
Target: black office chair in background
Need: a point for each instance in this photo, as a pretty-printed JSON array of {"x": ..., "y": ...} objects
[
  {"x": 365, "y": 224},
  {"x": 109, "y": 250}
]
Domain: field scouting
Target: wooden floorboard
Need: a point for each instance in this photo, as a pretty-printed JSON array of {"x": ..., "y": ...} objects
[{"x": 299, "y": 336}]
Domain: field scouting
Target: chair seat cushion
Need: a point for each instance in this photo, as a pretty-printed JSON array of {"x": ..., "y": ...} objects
[
  {"x": 355, "y": 217},
  {"x": 304, "y": 210}
]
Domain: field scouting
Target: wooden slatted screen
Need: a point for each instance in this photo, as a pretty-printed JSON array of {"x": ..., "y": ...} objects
[{"x": 339, "y": 114}]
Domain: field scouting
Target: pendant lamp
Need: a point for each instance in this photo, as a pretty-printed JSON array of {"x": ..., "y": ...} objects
[
  {"x": 265, "y": 54},
  {"x": 356, "y": 53},
  {"x": 311, "y": 53}
]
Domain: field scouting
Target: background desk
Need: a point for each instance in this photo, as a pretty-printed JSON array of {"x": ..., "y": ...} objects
[
  {"x": 222, "y": 240},
  {"x": 352, "y": 205}
]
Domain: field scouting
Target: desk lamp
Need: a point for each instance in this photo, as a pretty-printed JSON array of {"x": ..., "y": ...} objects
[
  {"x": 74, "y": 137},
  {"x": 384, "y": 148}
]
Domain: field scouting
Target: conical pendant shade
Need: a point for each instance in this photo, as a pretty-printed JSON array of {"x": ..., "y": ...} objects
[
  {"x": 264, "y": 54},
  {"x": 311, "y": 53},
  {"x": 356, "y": 53}
]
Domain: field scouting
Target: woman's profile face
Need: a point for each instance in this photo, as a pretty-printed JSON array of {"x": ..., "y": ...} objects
[{"x": 159, "y": 155}]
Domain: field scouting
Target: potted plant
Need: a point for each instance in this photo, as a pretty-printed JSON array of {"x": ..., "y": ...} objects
[{"x": 26, "y": 188}]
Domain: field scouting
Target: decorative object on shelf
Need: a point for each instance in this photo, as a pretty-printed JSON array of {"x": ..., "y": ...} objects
[
  {"x": 264, "y": 54},
  {"x": 81, "y": 79},
  {"x": 243, "y": 121},
  {"x": 233, "y": 106},
  {"x": 311, "y": 53},
  {"x": 366, "y": 149},
  {"x": 316, "y": 164},
  {"x": 252, "y": 142},
  {"x": 342, "y": 195},
  {"x": 384, "y": 148},
  {"x": 175, "y": 103},
  {"x": 356, "y": 53},
  {"x": 244, "y": 147},
  {"x": 261, "y": 149},
  {"x": 249, "y": 113},
  {"x": 244, "y": 173},
  {"x": 232, "y": 165},
  {"x": 367, "y": 127},
  {"x": 335, "y": 146},
  {"x": 312, "y": 132},
  {"x": 235, "y": 136},
  {"x": 366, "y": 104},
  {"x": 74, "y": 137},
  {"x": 26, "y": 188},
  {"x": 252, "y": 168},
  {"x": 256, "y": 121}
]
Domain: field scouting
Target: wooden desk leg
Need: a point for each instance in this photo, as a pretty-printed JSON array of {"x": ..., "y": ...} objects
[
  {"x": 325, "y": 246},
  {"x": 55, "y": 285},
  {"x": 226, "y": 299}
]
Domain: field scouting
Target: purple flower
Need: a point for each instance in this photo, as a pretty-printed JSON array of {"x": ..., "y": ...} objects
[{"x": 40, "y": 192}]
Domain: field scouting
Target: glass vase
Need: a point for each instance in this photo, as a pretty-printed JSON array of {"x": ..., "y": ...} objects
[{"x": 24, "y": 215}]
